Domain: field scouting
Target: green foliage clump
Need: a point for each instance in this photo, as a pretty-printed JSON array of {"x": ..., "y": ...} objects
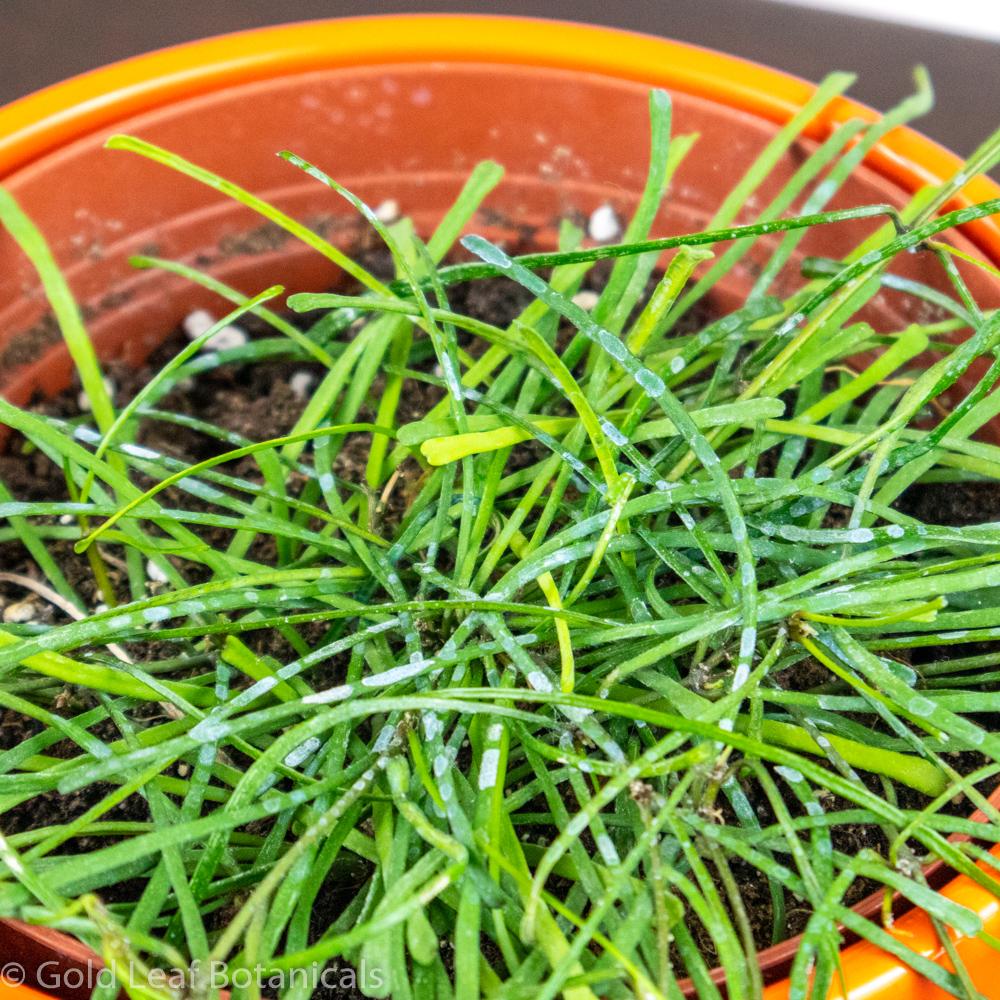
[{"x": 539, "y": 719}]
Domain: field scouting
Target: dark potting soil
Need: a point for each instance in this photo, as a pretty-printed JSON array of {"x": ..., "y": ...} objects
[{"x": 259, "y": 402}]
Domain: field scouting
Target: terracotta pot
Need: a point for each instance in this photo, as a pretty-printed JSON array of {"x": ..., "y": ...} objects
[{"x": 402, "y": 107}]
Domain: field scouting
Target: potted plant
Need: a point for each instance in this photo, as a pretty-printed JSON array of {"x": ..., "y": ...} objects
[{"x": 651, "y": 591}]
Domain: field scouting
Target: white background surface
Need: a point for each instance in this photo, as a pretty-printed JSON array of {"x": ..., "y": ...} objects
[{"x": 978, "y": 18}]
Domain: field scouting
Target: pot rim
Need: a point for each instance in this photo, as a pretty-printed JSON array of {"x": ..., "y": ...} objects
[
  {"x": 53, "y": 117},
  {"x": 12, "y": 990}
]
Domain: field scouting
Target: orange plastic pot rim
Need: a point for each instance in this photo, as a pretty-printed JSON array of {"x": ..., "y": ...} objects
[
  {"x": 10, "y": 990},
  {"x": 51, "y": 118},
  {"x": 61, "y": 113}
]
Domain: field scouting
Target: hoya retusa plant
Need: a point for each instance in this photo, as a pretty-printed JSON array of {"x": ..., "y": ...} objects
[{"x": 627, "y": 624}]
